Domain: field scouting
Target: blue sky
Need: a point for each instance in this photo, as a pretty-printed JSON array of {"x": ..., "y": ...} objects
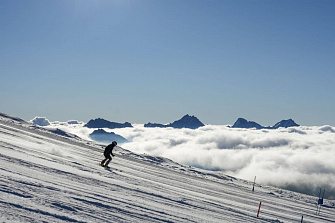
[{"x": 156, "y": 61}]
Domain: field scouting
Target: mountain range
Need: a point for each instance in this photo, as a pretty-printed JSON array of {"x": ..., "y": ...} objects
[
  {"x": 187, "y": 121},
  {"x": 243, "y": 123}
]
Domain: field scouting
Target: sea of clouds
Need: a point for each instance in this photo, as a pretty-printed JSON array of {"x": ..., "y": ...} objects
[
  {"x": 296, "y": 158},
  {"x": 299, "y": 158}
]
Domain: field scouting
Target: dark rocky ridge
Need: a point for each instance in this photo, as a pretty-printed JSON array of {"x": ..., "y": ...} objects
[
  {"x": 187, "y": 121},
  {"x": 102, "y": 123},
  {"x": 285, "y": 124},
  {"x": 243, "y": 123}
]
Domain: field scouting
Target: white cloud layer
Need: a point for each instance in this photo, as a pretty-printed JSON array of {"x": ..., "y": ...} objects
[{"x": 299, "y": 158}]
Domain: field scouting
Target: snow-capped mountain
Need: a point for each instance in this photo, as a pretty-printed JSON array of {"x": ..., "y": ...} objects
[
  {"x": 186, "y": 121},
  {"x": 46, "y": 177},
  {"x": 41, "y": 121}
]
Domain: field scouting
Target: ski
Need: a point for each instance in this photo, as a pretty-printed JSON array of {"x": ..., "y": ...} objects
[{"x": 109, "y": 168}]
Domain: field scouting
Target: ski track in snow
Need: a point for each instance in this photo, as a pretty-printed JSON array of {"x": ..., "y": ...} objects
[{"x": 46, "y": 177}]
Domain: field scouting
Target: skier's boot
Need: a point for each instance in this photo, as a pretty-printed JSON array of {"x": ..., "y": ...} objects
[{"x": 106, "y": 165}]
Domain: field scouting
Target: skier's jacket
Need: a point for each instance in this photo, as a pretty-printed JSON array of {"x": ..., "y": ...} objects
[{"x": 109, "y": 150}]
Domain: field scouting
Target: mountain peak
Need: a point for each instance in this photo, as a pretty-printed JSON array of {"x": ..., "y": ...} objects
[
  {"x": 285, "y": 124},
  {"x": 243, "y": 123},
  {"x": 186, "y": 121}
]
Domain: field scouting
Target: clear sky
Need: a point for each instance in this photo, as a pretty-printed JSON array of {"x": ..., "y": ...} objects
[{"x": 155, "y": 61}]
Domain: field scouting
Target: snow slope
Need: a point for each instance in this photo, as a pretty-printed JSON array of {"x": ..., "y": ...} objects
[{"x": 51, "y": 178}]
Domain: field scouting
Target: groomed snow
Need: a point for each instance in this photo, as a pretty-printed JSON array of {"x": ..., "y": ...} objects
[{"x": 50, "y": 178}]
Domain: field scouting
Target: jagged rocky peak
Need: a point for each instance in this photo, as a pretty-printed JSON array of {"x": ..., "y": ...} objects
[
  {"x": 243, "y": 123},
  {"x": 102, "y": 123},
  {"x": 187, "y": 121},
  {"x": 285, "y": 124}
]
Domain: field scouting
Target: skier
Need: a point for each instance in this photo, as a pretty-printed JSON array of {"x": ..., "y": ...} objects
[{"x": 108, "y": 152}]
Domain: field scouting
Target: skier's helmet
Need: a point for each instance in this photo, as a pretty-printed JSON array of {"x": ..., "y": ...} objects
[{"x": 114, "y": 143}]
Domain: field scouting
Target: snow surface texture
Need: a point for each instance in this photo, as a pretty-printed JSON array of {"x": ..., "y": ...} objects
[
  {"x": 297, "y": 158},
  {"x": 46, "y": 177}
]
